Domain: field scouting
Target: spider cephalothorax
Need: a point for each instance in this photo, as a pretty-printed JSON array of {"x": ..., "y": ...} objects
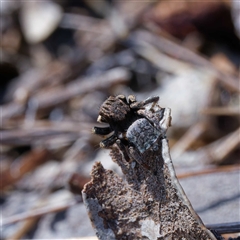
[{"x": 126, "y": 117}]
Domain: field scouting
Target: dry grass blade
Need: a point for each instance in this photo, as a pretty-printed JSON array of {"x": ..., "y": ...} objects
[
  {"x": 23, "y": 165},
  {"x": 179, "y": 52},
  {"x": 82, "y": 86},
  {"x": 187, "y": 139},
  {"x": 228, "y": 111},
  {"x": 220, "y": 149},
  {"x": 235, "y": 167},
  {"x": 37, "y": 213}
]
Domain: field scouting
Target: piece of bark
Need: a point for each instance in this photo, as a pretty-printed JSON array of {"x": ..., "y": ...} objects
[{"x": 151, "y": 203}]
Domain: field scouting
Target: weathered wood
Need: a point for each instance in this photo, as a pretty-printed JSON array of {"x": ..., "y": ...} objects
[{"x": 151, "y": 203}]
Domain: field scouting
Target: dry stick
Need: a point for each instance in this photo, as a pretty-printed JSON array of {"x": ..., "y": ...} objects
[
  {"x": 25, "y": 85},
  {"x": 68, "y": 160},
  {"x": 115, "y": 27},
  {"x": 229, "y": 168},
  {"x": 49, "y": 98},
  {"x": 70, "y": 163},
  {"x": 159, "y": 59},
  {"x": 220, "y": 149},
  {"x": 229, "y": 111},
  {"x": 172, "y": 65},
  {"x": 26, "y": 227},
  {"x": 126, "y": 20},
  {"x": 11, "y": 109},
  {"x": 37, "y": 213},
  {"x": 81, "y": 86},
  {"x": 36, "y": 78},
  {"x": 187, "y": 139},
  {"x": 232, "y": 227},
  {"x": 213, "y": 153},
  {"x": 25, "y": 164},
  {"x": 22, "y": 136},
  {"x": 179, "y": 52},
  {"x": 118, "y": 24},
  {"x": 85, "y": 23},
  {"x": 44, "y": 126}
]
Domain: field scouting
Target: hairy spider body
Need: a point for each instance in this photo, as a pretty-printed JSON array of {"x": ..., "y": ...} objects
[{"x": 126, "y": 118}]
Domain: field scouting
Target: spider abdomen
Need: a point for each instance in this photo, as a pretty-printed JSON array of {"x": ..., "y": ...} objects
[{"x": 142, "y": 134}]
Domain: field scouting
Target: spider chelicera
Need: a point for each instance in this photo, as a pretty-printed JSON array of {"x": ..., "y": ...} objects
[{"x": 127, "y": 120}]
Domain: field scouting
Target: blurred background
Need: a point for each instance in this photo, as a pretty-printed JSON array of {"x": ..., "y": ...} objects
[{"x": 61, "y": 59}]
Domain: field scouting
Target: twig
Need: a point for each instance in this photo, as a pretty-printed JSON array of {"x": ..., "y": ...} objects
[
  {"x": 27, "y": 84},
  {"x": 213, "y": 153},
  {"x": 82, "y": 86},
  {"x": 21, "y": 232},
  {"x": 11, "y": 109},
  {"x": 159, "y": 59},
  {"x": 37, "y": 213},
  {"x": 230, "y": 168},
  {"x": 22, "y": 166},
  {"x": 45, "y": 125},
  {"x": 233, "y": 227},
  {"x": 85, "y": 23},
  {"x": 179, "y": 52},
  {"x": 220, "y": 149},
  {"x": 228, "y": 111},
  {"x": 49, "y": 98},
  {"x": 187, "y": 139},
  {"x": 61, "y": 201},
  {"x": 23, "y": 137},
  {"x": 36, "y": 78}
]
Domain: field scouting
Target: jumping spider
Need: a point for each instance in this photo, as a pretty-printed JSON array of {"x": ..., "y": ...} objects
[{"x": 130, "y": 123}]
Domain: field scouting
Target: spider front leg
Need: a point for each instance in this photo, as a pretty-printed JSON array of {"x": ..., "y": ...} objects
[
  {"x": 102, "y": 130},
  {"x": 153, "y": 100},
  {"x": 123, "y": 98},
  {"x": 108, "y": 142},
  {"x": 139, "y": 105},
  {"x": 131, "y": 99}
]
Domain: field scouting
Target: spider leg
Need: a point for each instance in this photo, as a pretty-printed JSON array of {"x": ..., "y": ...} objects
[
  {"x": 106, "y": 143},
  {"x": 122, "y": 97},
  {"x": 138, "y": 105},
  {"x": 123, "y": 150},
  {"x": 151, "y": 100},
  {"x": 131, "y": 99},
  {"x": 102, "y": 130}
]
